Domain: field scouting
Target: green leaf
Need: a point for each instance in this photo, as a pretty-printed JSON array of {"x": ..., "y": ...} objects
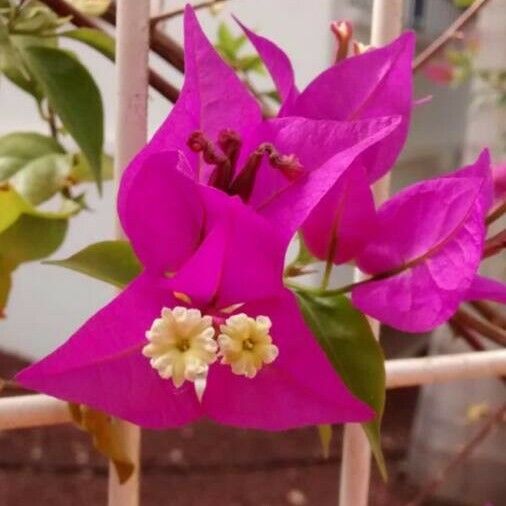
[
  {"x": 81, "y": 170},
  {"x": 348, "y": 341},
  {"x": 100, "y": 41},
  {"x": 19, "y": 148},
  {"x": 228, "y": 44},
  {"x": 28, "y": 145},
  {"x": 13, "y": 66},
  {"x": 110, "y": 261},
  {"x": 106, "y": 437},
  {"x": 36, "y": 18},
  {"x": 32, "y": 238},
  {"x": 75, "y": 97},
  {"x": 26, "y": 234},
  {"x": 40, "y": 179},
  {"x": 250, "y": 63}
]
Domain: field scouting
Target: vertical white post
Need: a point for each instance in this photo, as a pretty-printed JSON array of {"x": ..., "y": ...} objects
[
  {"x": 132, "y": 47},
  {"x": 356, "y": 462}
]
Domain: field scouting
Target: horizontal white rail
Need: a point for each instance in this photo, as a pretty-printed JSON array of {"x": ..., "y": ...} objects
[
  {"x": 37, "y": 410},
  {"x": 26, "y": 411},
  {"x": 438, "y": 369}
]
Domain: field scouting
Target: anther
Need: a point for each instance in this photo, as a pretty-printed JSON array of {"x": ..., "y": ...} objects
[{"x": 343, "y": 32}]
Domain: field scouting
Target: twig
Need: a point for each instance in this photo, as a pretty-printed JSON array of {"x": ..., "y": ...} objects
[
  {"x": 470, "y": 337},
  {"x": 433, "y": 485},
  {"x": 51, "y": 119},
  {"x": 177, "y": 12},
  {"x": 495, "y": 244},
  {"x": 460, "y": 330},
  {"x": 63, "y": 9},
  {"x": 496, "y": 213},
  {"x": 436, "y": 46},
  {"x": 483, "y": 327},
  {"x": 163, "y": 45},
  {"x": 489, "y": 312}
]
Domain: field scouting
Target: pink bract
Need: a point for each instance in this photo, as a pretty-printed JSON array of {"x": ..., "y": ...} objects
[
  {"x": 219, "y": 252},
  {"x": 427, "y": 247}
]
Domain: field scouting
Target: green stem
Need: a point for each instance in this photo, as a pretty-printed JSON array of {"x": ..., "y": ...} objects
[{"x": 326, "y": 275}]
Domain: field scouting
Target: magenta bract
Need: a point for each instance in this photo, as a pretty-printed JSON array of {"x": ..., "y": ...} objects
[
  {"x": 197, "y": 241},
  {"x": 429, "y": 242}
]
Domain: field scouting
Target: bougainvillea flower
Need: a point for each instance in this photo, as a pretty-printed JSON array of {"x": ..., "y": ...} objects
[
  {"x": 374, "y": 84},
  {"x": 218, "y": 125},
  {"x": 426, "y": 250},
  {"x": 210, "y": 301},
  {"x": 485, "y": 288},
  {"x": 499, "y": 175},
  {"x": 440, "y": 72}
]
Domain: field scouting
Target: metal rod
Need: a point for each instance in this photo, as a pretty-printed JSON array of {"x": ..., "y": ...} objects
[
  {"x": 386, "y": 24},
  {"x": 132, "y": 50}
]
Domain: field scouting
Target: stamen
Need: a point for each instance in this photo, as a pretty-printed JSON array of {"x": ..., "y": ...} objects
[
  {"x": 343, "y": 32},
  {"x": 223, "y": 172},
  {"x": 289, "y": 165},
  {"x": 230, "y": 143},
  {"x": 244, "y": 182},
  {"x": 245, "y": 344},
  {"x": 181, "y": 344},
  {"x": 360, "y": 47}
]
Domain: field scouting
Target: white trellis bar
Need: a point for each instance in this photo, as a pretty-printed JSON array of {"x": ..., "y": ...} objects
[
  {"x": 37, "y": 410},
  {"x": 386, "y": 24},
  {"x": 132, "y": 52}
]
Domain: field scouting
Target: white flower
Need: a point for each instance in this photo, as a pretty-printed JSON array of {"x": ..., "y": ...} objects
[
  {"x": 181, "y": 344},
  {"x": 245, "y": 344}
]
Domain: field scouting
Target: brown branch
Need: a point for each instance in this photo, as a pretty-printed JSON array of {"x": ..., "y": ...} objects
[
  {"x": 483, "y": 327},
  {"x": 437, "y": 45},
  {"x": 496, "y": 213},
  {"x": 433, "y": 485},
  {"x": 494, "y": 244},
  {"x": 470, "y": 337},
  {"x": 489, "y": 312},
  {"x": 177, "y": 12},
  {"x": 63, "y": 9},
  {"x": 162, "y": 44}
]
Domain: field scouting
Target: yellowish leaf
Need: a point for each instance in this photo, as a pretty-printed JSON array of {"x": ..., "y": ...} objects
[
  {"x": 90, "y": 7},
  {"x": 325, "y": 433},
  {"x": 106, "y": 437}
]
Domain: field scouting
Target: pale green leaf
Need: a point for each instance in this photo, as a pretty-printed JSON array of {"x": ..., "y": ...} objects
[
  {"x": 348, "y": 341},
  {"x": 40, "y": 179},
  {"x": 28, "y": 145},
  {"x": 100, "y": 41},
  {"x": 81, "y": 170},
  {"x": 91, "y": 7},
  {"x": 74, "y": 96},
  {"x": 19, "y": 148},
  {"x": 110, "y": 261},
  {"x": 13, "y": 66}
]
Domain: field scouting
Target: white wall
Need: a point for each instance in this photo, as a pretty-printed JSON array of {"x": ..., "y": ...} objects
[{"x": 48, "y": 303}]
